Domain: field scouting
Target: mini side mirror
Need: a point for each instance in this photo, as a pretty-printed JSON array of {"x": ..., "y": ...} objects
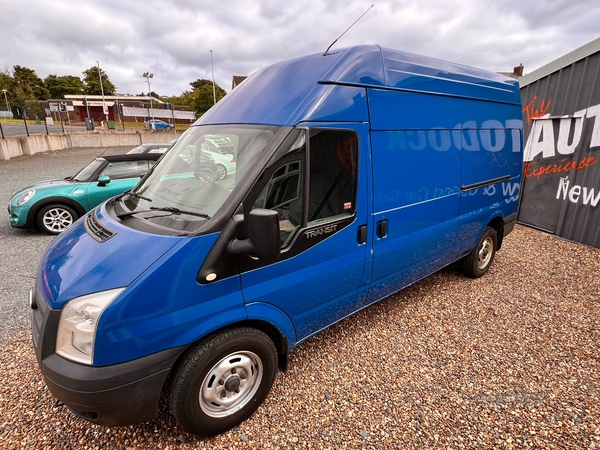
[
  {"x": 263, "y": 232},
  {"x": 103, "y": 180}
]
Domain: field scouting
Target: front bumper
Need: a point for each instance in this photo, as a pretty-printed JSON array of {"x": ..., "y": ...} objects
[
  {"x": 121, "y": 394},
  {"x": 18, "y": 215}
]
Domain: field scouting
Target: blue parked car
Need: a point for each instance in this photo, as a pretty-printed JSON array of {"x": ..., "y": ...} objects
[
  {"x": 358, "y": 172},
  {"x": 159, "y": 125}
]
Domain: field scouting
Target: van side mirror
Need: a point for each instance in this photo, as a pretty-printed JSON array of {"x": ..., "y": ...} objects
[
  {"x": 103, "y": 180},
  {"x": 263, "y": 232}
]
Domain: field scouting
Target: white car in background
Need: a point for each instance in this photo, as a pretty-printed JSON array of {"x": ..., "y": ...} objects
[{"x": 225, "y": 163}]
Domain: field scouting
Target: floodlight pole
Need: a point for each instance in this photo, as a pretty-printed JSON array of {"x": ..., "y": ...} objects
[
  {"x": 6, "y": 99},
  {"x": 213, "y": 77},
  {"x": 149, "y": 75},
  {"x": 102, "y": 90}
]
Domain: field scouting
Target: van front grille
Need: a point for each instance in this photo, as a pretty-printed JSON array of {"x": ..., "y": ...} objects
[{"x": 96, "y": 230}]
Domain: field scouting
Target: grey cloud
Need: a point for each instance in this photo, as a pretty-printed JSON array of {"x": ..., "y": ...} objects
[{"x": 173, "y": 38}]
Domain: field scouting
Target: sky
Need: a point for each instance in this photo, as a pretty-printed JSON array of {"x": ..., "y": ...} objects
[{"x": 173, "y": 39}]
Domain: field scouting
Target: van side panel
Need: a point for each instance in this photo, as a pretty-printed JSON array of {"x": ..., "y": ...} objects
[
  {"x": 491, "y": 151},
  {"x": 426, "y": 148}
]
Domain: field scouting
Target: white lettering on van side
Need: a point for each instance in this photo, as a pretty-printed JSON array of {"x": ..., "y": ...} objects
[
  {"x": 576, "y": 193},
  {"x": 541, "y": 139},
  {"x": 319, "y": 231},
  {"x": 490, "y": 136},
  {"x": 510, "y": 189},
  {"x": 439, "y": 139}
]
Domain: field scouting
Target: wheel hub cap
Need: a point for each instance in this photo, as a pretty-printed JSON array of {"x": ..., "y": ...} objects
[
  {"x": 232, "y": 384},
  {"x": 485, "y": 253}
]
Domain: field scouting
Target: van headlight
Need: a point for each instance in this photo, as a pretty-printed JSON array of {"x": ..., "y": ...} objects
[
  {"x": 25, "y": 196},
  {"x": 78, "y": 323}
]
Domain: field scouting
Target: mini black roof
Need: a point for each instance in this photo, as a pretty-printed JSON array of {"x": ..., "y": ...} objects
[{"x": 132, "y": 157}]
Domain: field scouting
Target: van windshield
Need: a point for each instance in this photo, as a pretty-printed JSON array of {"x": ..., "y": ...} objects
[{"x": 193, "y": 180}]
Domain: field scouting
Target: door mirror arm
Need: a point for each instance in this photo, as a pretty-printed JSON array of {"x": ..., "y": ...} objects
[{"x": 263, "y": 241}]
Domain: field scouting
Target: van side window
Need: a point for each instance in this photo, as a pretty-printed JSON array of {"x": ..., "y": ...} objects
[
  {"x": 332, "y": 159},
  {"x": 283, "y": 194},
  {"x": 332, "y": 178}
]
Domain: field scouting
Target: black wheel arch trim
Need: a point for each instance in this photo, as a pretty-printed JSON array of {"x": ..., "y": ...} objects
[{"x": 33, "y": 211}]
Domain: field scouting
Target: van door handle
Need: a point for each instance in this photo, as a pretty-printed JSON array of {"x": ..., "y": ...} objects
[
  {"x": 382, "y": 228},
  {"x": 362, "y": 234}
]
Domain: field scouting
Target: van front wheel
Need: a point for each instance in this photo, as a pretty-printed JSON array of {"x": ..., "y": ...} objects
[
  {"x": 478, "y": 262},
  {"x": 222, "y": 381}
]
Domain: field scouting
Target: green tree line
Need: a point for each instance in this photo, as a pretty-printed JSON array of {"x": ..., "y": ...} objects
[{"x": 22, "y": 88}]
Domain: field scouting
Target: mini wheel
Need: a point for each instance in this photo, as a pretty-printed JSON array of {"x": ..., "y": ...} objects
[
  {"x": 478, "y": 262},
  {"x": 222, "y": 171},
  {"x": 222, "y": 381},
  {"x": 56, "y": 218}
]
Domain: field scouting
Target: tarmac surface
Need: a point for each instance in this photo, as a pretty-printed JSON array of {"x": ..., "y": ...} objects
[{"x": 22, "y": 249}]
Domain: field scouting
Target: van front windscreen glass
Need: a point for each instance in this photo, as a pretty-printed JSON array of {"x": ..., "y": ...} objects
[{"x": 197, "y": 175}]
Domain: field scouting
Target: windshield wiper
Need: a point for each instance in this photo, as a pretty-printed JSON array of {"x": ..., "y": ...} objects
[
  {"x": 179, "y": 211},
  {"x": 133, "y": 194},
  {"x": 138, "y": 196},
  {"x": 170, "y": 209}
]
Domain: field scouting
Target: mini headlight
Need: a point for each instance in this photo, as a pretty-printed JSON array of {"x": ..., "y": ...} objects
[
  {"x": 78, "y": 323},
  {"x": 25, "y": 196}
]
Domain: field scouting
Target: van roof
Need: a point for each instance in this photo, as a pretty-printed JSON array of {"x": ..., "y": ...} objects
[{"x": 275, "y": 95}]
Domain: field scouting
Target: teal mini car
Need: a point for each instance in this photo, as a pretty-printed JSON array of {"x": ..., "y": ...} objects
[{"x": 53, "y": 205}]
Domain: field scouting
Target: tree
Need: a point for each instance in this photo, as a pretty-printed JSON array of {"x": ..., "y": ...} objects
[
  {"x": 28, "y": 86},
  {"x": 202, "y": 98},
  {"x": 59, "y": 86},
  {"x": 91, "y": 82},
  {"x": 185, "y": 99}
]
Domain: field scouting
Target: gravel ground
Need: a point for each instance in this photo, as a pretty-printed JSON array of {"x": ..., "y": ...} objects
[{"x": 510, "y": 360}]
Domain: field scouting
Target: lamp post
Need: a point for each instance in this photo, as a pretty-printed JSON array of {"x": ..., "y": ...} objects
[
  {"x": 104, "y": 109},
  {"x": 149, "y": 75},
  {"x": 6, "y": 99},
  {"x": 213, "y": 75}
]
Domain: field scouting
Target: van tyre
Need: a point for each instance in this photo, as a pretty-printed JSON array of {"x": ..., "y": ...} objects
[
  {"x": 56, "y": 218},
  {"x": 478, "y": 262},
  {"x": 222, "y": 381}
]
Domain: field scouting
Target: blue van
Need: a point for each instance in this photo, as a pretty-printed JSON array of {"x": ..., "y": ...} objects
[{"x": 358, "y": 172}]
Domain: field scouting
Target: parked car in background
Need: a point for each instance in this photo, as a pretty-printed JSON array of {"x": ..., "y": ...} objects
[
  {"x": 159, "y": 125},
  {"x": 53, "y": 205},
  {"x": 218, "y": 144},
  {"x": 154, "y": 147},
  {"x": 225, "y": 163}
]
